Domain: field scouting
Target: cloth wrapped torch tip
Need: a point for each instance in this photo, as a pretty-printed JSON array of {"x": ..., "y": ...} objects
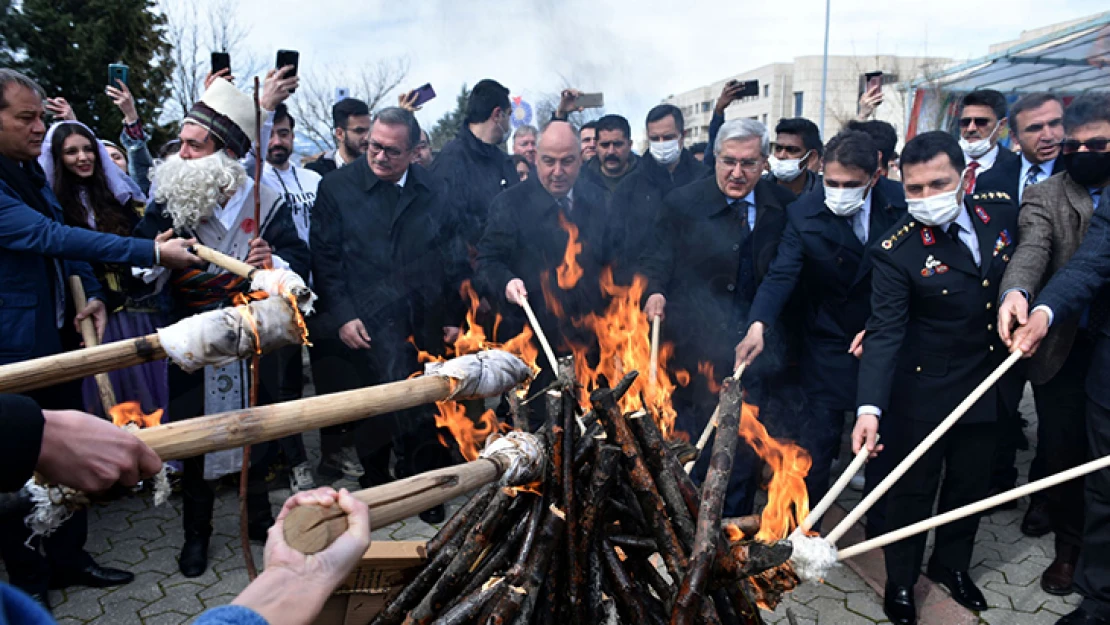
[{"x": 813, "y": 556}]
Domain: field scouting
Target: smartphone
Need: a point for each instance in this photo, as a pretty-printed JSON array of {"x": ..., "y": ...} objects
[
  {"x": 748, "y": 89},
  {"x": 590, "y": 100},
  {"x": 221, "y": 61},
  {"x": 423, "y": 94},
  {"x": 873, "y": 80},
  {"x": 117, "y": 71},
  {"x": 288, "y": 57}
]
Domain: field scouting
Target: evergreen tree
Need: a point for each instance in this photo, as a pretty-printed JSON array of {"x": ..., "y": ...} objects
[
  {"x": 451, "y": 123},
  {"x": 66, "y": 46}
]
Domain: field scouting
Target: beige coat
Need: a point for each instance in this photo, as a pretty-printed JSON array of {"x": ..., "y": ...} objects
[{"x": 1053, "y": 220}]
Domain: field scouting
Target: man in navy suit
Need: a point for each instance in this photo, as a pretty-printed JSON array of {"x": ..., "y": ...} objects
[
  {"x": 982, "y": 115},
  {"x": 1080, "y": 291},
  {"x": 825, "y": 255}
]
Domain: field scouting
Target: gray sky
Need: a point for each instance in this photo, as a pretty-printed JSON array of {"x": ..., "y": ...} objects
[{"x": 636, "y": 51}]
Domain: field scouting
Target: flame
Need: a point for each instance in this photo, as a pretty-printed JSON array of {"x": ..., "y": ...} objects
[
  {"x": 536, "y": 488},
  {"x": 131, "y": 412},
  {"x": 732, "y": 532},
  {"x": 298, "y": 318},
  {"x": 570, "y": 272},
  {"x": 706, "y": 369},
  {"x": 242, "y": 304},
  {"x": 470, "y": 435},
  {"x": 787, "y": 498}
]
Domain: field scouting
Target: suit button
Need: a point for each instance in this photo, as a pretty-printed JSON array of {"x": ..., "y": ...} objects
[
  {"x": 731, "y": 288},
  {"x": 919, "y": 369},
  {"x": 989, "y": 305},
  {"x": 736, "y": 247},
  {"x": 990, "y": 327},
  {"x": 944, "y": 292},
  {"x": 986, "y": 283},
  {"x": 1005, "y": 258},
  {"x": 992, "y": 348}
]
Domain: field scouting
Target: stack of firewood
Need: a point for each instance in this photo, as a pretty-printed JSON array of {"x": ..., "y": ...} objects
[{"x": 583, "y": 545}]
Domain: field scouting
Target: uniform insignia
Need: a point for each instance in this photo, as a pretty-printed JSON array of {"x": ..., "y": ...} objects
[
  {"x": 1003, "y": 241},
  {"x": 932, "y": 266},
  {"x": 983, "y": 216},
  {"x": 1003, "y": 195},
  {"x": 927, "y": 236},
  {"x": 889, "y": 243}
]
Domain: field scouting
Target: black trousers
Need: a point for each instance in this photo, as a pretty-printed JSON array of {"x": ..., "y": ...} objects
[
  {"x": 821, "y": 438},
  {"x": 963, "y": 457},
  {"x": 291, "y": 387},
  {"x": 1062, "y": 438},
  {"x": 1092, "y": 576},
  {"x": 199, "y": 498}
]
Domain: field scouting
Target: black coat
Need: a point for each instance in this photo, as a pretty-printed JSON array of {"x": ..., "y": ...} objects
[
  {"x": 700, "y": 248},
  {"x": 591, "y": 170},
  {"x": 931, "y": 337},
  {"x": 635, "y": 206},
  {"x": 821, "y": 260},
  {"x": 474, "y": 173},
  {"x": 524, "y": 239},
  {"x": 385, "y": 264},
  {"x": 19, "y": 447},
  {"x": 1005, "y": 176}
]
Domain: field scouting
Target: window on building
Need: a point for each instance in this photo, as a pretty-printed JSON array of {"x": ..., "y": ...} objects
[
  {"x": 705, "y": 106},
  {"x": 764, "y": 119},
  {"x": 766, "y": 91},
  {"x": 798, "y": 101}
]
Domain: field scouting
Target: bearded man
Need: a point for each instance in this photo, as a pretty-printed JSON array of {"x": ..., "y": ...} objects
[{"x": 204, "y": 191}]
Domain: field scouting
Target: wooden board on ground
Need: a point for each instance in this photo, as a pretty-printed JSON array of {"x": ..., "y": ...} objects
[{"x": 385, "y": 568}]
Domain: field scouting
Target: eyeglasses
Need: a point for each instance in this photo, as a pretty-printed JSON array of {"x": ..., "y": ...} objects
[
  {"x": 1070, "y": 146},
  {"x": 390, "y": 152},
  {"x": 979, "y": 122},
  {"x": 747, "y": 164}
]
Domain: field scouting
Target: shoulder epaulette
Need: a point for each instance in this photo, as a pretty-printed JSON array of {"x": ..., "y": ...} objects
[
  {"x": 888, "y": 243},
  {"x": 990, "y": 195}
]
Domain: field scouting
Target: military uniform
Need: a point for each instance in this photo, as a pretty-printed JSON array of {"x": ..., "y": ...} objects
[{"x": 930, "y": 341}]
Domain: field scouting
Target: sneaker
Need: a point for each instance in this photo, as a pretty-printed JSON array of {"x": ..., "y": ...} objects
[
  {"x": 342, "y": 462},
  {"x": 856, "y": 483},
  {"x": 300, "y": 478}
]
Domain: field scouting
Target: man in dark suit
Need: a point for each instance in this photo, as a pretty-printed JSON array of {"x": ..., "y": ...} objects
[
  {"x": 351, "y": 125},
  {"x": 714, "y": 243},
  {"x": 526, "y": 238},
  {"x": 825, "y": 255},
  {"x": 384, "y": 250},
  {"x": 982, "y": 115},
  {"x": 930, "y": 340},
  {"x": 1080, "y": 291}
]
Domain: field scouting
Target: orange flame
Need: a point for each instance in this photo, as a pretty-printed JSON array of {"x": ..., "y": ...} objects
[
  {"x": 131, "y": 412},
  {"x": 732, "y": 532},
  {"x": 787, "y": 498},
  {"x": 242, "y": 304},
  {"x": 469, "y": 435},
  {"x": 706, "y": 369},
  {"x": 570, "y": 272},
  {"x": 298, "y": 319}
]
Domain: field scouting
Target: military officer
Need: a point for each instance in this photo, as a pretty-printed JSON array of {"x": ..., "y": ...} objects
[{"x": 929, "y": 342}]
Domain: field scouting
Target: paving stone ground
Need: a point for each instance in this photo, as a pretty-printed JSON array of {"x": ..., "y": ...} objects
[{"x": 134, "y": 535}]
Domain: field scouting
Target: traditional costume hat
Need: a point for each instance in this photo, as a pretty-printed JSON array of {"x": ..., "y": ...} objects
[{"x": 228, "y": 114}]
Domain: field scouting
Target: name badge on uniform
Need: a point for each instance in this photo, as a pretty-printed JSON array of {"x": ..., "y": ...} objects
[
  {"x": 1003, "y": 242},
  {"x": 927, "y": 237},
  {"x": 933, "y": 267},
  {"x": 983, "y": 216}
]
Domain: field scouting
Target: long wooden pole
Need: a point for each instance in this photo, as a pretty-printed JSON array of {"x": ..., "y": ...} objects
[
  {"x": 703, "y": 440},
  {"x": 653, "y": 372},
  {"x": 841, "y": 483},
  {"x": 974, "y": 508},
  {"x": 223, "y": 261},
  {"x": 541, "y": 336},
  {"x": 42, "y": 372},
  {"x": 921, "y": 448},
  {"x": 88, "y": 333}
]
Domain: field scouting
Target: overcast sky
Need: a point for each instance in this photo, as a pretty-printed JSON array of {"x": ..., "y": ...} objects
[{"x": 636, "y": 51}]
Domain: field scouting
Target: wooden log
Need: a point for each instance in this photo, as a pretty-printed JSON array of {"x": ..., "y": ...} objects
[
  {"x": 712, "y": 503},
  {"x": 656, "y": 456},
  {"x": 223, "y": 261},
  {"x": 576, "y": 565},
  {"x": 462, "y": 520},
  {"x": 606, "y": 468},
  {"x": 394, "y": 612},
  {"x": 88, "y": 334},
  {"x": 471, "y": 604},
  {"x": 539, "y": 563},
  {"x": 536, "y": 516},
  {"x": 595, "y": 581},
  {"x": 627, "y": 596},
  {"x": 498, "y": 556}
]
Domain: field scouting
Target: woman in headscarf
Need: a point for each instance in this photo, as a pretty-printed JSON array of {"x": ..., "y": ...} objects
[{"x": 96, "y": 194}]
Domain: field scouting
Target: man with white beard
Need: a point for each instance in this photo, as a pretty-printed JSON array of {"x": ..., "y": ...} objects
[{"x": 204, "y": 191}]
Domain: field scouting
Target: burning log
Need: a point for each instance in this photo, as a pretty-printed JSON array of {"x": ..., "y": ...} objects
[
  {"x": 461, "y": 520},
  {"x": 215, "y": 338}
]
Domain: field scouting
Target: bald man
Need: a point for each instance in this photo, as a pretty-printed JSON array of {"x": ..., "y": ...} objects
[{"x": 524, "y": 242}]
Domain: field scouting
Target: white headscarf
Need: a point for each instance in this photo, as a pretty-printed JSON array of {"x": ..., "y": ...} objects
[{"x": 123, "y": 188}]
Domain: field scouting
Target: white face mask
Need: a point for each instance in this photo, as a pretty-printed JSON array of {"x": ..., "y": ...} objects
[
  {"x": 937, "y": 209},
  {"x": 845, "y": 202},
  {"x": 665, "y": 152},
  {"x": 786, "y": 169},
  {"x": 979, "y": 147}
]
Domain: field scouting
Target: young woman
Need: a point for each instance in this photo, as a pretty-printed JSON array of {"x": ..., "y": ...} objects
[{"x": 95, "y": 193}]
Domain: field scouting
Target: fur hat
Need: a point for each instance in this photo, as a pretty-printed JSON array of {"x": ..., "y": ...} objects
[{"x": 228, "y": 114}]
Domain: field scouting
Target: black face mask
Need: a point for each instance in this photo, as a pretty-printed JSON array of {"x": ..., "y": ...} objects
[{"x": 1090, "y": 169}]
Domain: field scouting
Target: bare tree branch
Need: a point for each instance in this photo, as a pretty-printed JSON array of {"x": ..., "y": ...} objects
[{"x": 373, "y": 82}]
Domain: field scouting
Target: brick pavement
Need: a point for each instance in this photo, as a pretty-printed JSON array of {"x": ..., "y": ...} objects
[{"x": 134, "y": 535}]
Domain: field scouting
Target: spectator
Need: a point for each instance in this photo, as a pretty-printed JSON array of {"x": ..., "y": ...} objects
[
  {"x": 615, "y": 159},
  {"x": 1037, "y": 124},
  {"x": 384, "y": 250},
  {"x": 523, "y": 169},
  {"x": 729, "y": 94},
  {"x": 137, "y": 161},
  {"x": 423, "y": 154},
  {"x": 116, "y": 154},
  {"x": 524, "y": 143},
  {"x": 796, "y": 155},
  {"x": 982, "y": 116},
  {"x": 351, "y": 125},
  {"x": 698, "y": 149},
  {"x": 715, "y": 241},
  {"x": 638, "y": 199},
  {"x": 205, "y": 192},
  {"x": 587, "y": 135},
  {"x": 885, "y": 139}
]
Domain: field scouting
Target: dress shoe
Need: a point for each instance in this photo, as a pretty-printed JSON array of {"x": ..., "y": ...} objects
[
  {"x": 898, "y": 605},
  {"x": 1057, "y": 578},
  {"x": 1037, "y": 521},
  {"x": 93, "y": 576},
  {"x": 193, "y": 561},
  {"x": 259, "y": 531},
  {"x": 1081, "y": 617},
  {"x": 959, "y": 584},
  {"x": 435, "y": 516}
]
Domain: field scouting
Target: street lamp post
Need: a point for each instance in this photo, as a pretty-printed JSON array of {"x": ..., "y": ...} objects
[{"x": 825, "y": 68}]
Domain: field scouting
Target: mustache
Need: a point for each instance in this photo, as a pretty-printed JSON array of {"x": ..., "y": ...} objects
[{"x": 612, "y": 158}]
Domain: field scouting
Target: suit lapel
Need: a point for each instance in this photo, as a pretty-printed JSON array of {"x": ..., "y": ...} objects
[{"x": 1079, "y": 199}]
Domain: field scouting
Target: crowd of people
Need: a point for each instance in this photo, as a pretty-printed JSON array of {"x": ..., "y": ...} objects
[{"x": 857, "y": 286}]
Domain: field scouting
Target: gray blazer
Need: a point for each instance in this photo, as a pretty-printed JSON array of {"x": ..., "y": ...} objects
[{"x": 1053, "y": 220}]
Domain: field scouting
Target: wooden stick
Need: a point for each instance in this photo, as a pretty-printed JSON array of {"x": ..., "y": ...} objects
[
  {"x": 225, "y": 262},
  {"x": 654, "y": 370},
  {"x": 703, "y": 440},
  {"x": 974, "y": 508},
  {"x": 921, "y": 448},
  {"x": 550, "y": 353},
  {"x": 841, "y": 483},
  {"x": 38, "y": 373},
  {"x": 88, "y": 333}
]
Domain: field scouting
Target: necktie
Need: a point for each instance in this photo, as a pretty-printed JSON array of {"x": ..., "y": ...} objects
[
  {"x": 954, "y": 233},
  {"x": 1033, "y": 177},
  {"x": 565, "y": 204},
  {"x": 859, "y": 227},
  {"x": 742, "y": 212},
  {"x": 969, "y": 187}
]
